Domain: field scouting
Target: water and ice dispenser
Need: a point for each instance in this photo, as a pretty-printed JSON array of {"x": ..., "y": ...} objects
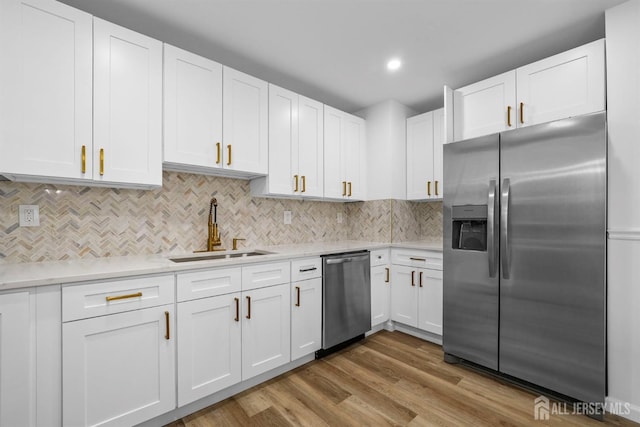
[{"x": 469, "y": 227}]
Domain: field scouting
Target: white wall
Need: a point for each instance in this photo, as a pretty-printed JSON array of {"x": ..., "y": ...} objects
[
  {"x": 386, "y": 149},
  {"x": 623, "y": 305}
]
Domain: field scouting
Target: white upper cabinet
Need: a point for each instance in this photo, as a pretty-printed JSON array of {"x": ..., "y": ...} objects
[
  {"x": 192, "y": 111},
  {"x": 45, "y": 90},
  {"x": 485, "y": 107},
  {"x": 564, "y": 85},
  {"x": 424, "y": 155},
  {"x": 245, "y": 123},
  {"x": 295, "y": 147},
  {"x": 127, "y": 130},
  {"x": 283, "y": 141},
  {"x": 344, "y": 165},
  {"x": 310, "y": 152}
]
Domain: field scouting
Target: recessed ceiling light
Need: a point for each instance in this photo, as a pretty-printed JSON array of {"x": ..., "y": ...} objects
[{"x": 394, "y": 64}]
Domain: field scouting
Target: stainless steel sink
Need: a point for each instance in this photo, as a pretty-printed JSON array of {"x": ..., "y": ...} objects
[{"x": 227, "y": 255}]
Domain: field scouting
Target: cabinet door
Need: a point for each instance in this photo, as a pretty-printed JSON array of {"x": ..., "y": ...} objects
[
  {"x": 482, "y": 108},
  {"x": 283, "y": 141},
  {"x": 306, "y": 317},
  {"x": 266, "y": 329},
  {"x": 17, "y": 391},
  {"x": 45, "y": 89},
  {"x": 564, "y": 85},
  {"x": 334, "y": 181},
  {"x": 310, "y": 150},
  {"x": 380, "y": 294},
  {"x": 438, "y": 156},
  {"x": 118, "y": 369},
  {"x": 245, "y": 120},
  {"x": 420, "y": 145},
  {"x": 404, "y": 295},
  {"x": 127, "y": 132},
  {"x": 353, "y": 152},
  {"x": 209, "y": 349},
  {"x": 430, "y": 301},
  {"x": 192, "y": 109}
]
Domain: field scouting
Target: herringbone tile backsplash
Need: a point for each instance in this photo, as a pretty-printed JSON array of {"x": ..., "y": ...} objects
[{"x": 80, "y": 222}]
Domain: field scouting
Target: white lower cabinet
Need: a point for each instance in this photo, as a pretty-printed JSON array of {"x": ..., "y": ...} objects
[
  {"x": 209, "y": 346},
  {"x": 380, "y": 286},
  {"x": 306, "y": 317},
  {"x": 404, "y": 295},
  {"x": 266, "y": 329},
  {"x": 119, "y": 369},
  {"x": 17, "y": 392},
  {"x": 30, "y": 347},
  {"x": 416, "y": 292}
]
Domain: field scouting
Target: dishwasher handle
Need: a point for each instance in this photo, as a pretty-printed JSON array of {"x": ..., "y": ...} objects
[{"x": 332, "y": 261}]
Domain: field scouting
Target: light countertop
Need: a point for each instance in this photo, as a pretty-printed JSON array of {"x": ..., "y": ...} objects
[{"x": 22, "y": 275}]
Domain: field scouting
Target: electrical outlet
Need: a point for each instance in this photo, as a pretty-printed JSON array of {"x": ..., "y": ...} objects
[
  {"x": 287, "y": 217},
  {"x": 29, "y": 215},
  {"x": 339, "y": 218}
]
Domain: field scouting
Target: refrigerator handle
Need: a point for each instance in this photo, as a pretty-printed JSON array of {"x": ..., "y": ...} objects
[
  {"x": 491, "y": 227},
  {"x": 504, "y": 225}
]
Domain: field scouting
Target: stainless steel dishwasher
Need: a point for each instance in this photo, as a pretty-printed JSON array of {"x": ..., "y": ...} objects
[{"x": 346, "y": 299}]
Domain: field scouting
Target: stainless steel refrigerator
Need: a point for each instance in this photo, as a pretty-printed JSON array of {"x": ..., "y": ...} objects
[{"x": 524, "y": 216}]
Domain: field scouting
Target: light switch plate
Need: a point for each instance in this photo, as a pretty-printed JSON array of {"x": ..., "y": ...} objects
[
  {"x": 339, "y": 218},
  {"x": 29, "y": 215},
  {"x": 287, "y": 217}
]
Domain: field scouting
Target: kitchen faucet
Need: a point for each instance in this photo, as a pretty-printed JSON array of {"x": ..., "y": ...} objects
[{"x": 213, "y": 240}]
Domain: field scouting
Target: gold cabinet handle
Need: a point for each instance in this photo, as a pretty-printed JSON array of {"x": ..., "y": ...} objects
[
  {"x": 84, "y": 159},
  {"x": 436, "y": 187},
  {"x": 387, "y": 279},
  {"x": 229, "y": 157},
  {"x": 509, "y": 115},
  {"x": 102, "y": 161},
  {"x": 166, "y": 320},
  {"x": 417, "y": 259},
  {"x": 304, "y": 183},
  {"x": 295, "y": 188},
  {"x": 218, "y": 153},
  {"x": 349, "y": 190},
  {"x": 117, "y": 297},
  {"x": 344, "y": 188},
  {"x": 237, "y": 318},
  {"x": 428, "y": 188},
  {"x": 420, "y": 279},
  {"x": 297, "y": 296},
  {"x": 413, "y": 278},
  {"x": 248, "y": 307},
  {"x": 522, "y": 112}
]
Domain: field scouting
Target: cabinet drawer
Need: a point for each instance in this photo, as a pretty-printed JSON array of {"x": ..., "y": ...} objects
[
  {"x": 309, "y": 268},
  {"x": 98, "y": 299},
  {"x": 208, "y": 283},
  {"x": 379, "y": 257},
  {"x": 261, "y": 275},
  {"x": 416, "y": 258}
]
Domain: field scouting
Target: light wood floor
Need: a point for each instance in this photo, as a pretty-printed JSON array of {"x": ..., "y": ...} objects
[{"x": 389, "y": 378}]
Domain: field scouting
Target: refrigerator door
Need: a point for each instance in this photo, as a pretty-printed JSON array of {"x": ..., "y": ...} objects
[
  {"x": 553, "y": 254},
  {"x": 470, "y": 317}
]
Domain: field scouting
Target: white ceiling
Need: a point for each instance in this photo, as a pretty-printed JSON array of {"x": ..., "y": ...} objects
[{"x": 335, "y": 50}]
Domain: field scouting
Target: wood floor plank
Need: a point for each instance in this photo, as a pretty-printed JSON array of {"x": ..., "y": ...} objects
[
  {"x": 389, "y": 378},
  {"x": 385, "y": 405},
  {"x": 294, "y": 410}
]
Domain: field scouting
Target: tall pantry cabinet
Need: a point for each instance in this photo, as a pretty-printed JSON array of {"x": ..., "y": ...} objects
[{"x": 623, "y": 294}]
